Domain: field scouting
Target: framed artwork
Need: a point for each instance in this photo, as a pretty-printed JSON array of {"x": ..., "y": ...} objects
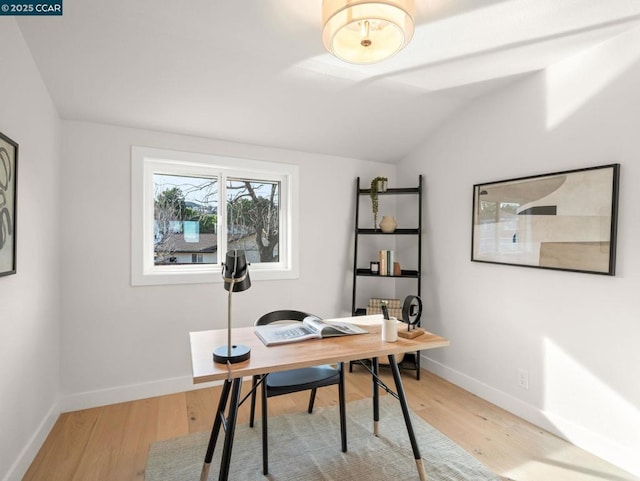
[
  {"x": 564, "y": 220},
  {"x": 8, "y": 187}
]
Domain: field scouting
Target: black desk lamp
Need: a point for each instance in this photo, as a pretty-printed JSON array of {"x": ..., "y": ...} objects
[{"x": 235, "y": 273}]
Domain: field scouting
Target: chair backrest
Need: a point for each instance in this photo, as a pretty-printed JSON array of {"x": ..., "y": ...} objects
[{"x": 281, "y": 315}]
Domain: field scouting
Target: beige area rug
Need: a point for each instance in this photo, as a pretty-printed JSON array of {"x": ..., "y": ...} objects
[{"x": 306, "y": 447}]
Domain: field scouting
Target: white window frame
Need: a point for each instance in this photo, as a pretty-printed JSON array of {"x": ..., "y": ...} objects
[{"x": 147, "y": 161}]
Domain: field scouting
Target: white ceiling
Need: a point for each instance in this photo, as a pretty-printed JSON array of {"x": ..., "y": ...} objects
[{"x": 255, "y": 71}]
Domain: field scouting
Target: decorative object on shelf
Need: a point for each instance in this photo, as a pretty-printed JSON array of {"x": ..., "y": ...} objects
[
  {"x": 397, "y": 271},
  {"x": 367, "y": 31},
  {"x": 8, "y": 199},
  {"x": 568, "y": 219},
  {"x": 378, "y": 184},
  {"x": 393, "y": 307},
  {"x": 388, "y": 224},
  {"x": 235, "y": 273},
  {"x": 374, "y": 267},
  {"x": 411, "y": 313}
]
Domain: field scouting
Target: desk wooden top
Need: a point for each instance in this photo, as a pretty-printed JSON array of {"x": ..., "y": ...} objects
[{"x": 295, "y": 355}]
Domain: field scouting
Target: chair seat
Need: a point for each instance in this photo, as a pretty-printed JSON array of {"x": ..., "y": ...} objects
[{"x": 302, "y": 379}]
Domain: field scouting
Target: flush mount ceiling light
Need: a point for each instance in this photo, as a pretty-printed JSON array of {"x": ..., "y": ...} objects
[{"x": 365, "y": 31}]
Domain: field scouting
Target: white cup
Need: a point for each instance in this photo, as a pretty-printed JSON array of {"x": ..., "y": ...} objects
[{"x": 389, "y": 330}]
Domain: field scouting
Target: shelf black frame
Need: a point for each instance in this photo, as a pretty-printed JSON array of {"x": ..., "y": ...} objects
[
  {"x": 395, "y": 232},
  {"x": 405, "y": 273}
]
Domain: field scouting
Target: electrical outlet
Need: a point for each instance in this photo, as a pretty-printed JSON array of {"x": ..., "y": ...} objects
[{"x": 523, "y": 379}]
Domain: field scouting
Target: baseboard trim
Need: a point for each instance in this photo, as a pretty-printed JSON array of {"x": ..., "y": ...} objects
[
  {"x": 604, "y": 448},
  {"x": 495, "y": 396},
  {"x": 130, "y": 392},
  {"x": 25, "y": 458}
]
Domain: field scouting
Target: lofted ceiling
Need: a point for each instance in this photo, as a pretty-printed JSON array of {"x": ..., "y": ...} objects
[{"x": 255, "y": 71}]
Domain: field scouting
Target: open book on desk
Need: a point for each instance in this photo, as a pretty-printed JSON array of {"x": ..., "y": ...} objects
[{"x": 311, "y": 327}]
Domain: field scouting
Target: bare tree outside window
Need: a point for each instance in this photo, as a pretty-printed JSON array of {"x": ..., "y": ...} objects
[
  {"x": 253, "y": 212},
  {"x": 185, "y": 219}
]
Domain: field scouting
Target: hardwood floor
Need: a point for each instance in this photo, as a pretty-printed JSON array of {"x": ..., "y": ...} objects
[{"x": 110, "y": 443}]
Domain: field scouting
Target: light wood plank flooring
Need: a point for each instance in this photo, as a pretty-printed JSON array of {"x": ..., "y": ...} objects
[{"x": 110, "y": 443}]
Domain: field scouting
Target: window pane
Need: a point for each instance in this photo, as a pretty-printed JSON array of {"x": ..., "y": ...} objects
[
  {"x": 185, "y": 220},
  {"x": 253, "y": 213}
]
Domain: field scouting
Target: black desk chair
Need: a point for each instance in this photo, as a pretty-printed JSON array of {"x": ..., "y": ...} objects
[{"x": 295, "y": 380}]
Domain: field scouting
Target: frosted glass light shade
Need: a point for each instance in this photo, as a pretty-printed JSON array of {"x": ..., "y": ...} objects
[{"x": 361, "y": 31}]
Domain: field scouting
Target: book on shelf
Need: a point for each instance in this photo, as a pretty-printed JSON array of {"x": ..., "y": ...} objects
[
  {"x": 387, "y": 260},
  {"x": 311, "y": 327}
]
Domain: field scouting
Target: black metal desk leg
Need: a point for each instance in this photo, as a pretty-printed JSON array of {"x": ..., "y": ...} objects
[
  {"x": 376, "y": 395},
  {"x": 343, "y": 414},
  {"x": 265, "y": 440},
  {"x": 254, "y": 383},
  {"x": 407, "y": 417},
  {"x": 222, "y": 405},
  {"x": 231, "y": 430}
]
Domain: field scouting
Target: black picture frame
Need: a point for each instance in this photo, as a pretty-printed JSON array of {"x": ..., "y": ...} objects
[
  {"x": 8, "y": 204},
  {"x": 564, "y": 220}
]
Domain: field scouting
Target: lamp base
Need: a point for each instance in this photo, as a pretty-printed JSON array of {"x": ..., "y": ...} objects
[{"x": 238, "y": 354}]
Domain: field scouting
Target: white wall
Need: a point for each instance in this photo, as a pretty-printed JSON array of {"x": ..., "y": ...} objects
[
  {"x": 120, "y": 342},
  {"x": 576, "y": 334},
  {"x": 29, "y": 300}
]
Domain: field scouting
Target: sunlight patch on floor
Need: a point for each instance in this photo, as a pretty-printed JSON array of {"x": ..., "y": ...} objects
[{"x": 566, "y": 464}]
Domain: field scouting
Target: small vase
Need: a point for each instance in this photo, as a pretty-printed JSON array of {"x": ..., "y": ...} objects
[{"x": 388, "y": 224}]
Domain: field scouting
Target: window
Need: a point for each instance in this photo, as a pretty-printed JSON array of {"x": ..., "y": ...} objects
[
  {"x": 189, "y": 209},
  {"x": 185, "y": 219}
]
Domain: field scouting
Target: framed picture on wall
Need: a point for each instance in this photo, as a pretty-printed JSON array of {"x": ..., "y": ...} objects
[
  {"x": 564, "y": 220},
  {"x": 8, "y": 187}
]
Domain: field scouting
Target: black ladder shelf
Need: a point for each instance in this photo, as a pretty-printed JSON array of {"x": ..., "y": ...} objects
[{"x": 411, "y": 360}]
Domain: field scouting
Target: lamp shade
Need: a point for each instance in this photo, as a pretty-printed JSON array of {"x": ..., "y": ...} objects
[
  {"x": 362, "y": 32},
  {"x": 236, "y": 271},
  {"x": 236, "y": 279}
]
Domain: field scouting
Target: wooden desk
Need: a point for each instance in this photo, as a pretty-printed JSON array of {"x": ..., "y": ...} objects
[{"x": 265, "y": 360}]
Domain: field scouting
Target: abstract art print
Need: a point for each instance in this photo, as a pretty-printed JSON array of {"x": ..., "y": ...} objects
[
  {"x": 8, "y": 185},
  {"x": 564, "y": 220}
]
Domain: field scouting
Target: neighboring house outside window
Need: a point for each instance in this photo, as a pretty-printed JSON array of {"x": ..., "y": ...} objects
[
  {"x": 197, "y": 259},
  {"x": 189, "y": 209}
]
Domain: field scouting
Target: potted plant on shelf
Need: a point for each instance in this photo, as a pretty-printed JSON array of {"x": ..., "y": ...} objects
[{"x": 378, "y": 184}]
